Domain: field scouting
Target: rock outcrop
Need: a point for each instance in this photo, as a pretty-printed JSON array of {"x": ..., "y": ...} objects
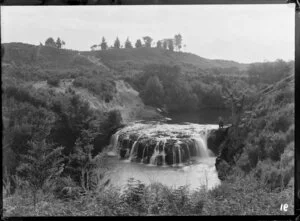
[{"x": 216, "y": 138}]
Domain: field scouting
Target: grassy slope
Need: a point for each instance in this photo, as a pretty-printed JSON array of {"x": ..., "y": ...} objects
[
  {"x": 66, "y": 61},
  {"x": 115, "y": 58},
  {"x": 138, "y": 57}
]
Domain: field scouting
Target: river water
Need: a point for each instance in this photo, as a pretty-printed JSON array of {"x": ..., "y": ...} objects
[{"x": 201, "y": 172}]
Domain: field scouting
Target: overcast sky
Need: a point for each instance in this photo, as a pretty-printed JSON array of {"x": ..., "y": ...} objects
[{"x": 244, "y": 33}]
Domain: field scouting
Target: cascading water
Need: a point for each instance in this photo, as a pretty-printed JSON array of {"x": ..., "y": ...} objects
[
  {"x": 155, "y": 154},
  {"x": 162, "y": 144},
  {"x": 179, "y": 153},
  {"x": 114, "y": 144},
  {"x": 133, "y": 149},
  {"x": 164, "y": 153},
  {"x": 201, "y": 148},
  {"x": 180, "y": 149}
]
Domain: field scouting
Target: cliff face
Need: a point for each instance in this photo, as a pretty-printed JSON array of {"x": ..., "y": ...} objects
[
  {"x": 223, "y": 145},
  {"x": 215, "y": 139},
  {"x": 229, "y": 148}
]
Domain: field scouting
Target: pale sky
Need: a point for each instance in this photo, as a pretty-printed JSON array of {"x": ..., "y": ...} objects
[{"x": 243, "y": 33}]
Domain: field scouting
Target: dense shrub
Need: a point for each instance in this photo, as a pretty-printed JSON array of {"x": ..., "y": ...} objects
[
  {"x": 176, "y": 91},
  {"x": 243, "y": 195},
  {"x": 268, "y": 72},
  {"x": 102, "y": 87},
  {"x": 53, "y": 82}
]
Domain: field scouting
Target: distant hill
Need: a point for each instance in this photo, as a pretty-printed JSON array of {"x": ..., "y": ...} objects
[
  {"x": 138, "y": 57},
  {"x": 116, "y": 59}
]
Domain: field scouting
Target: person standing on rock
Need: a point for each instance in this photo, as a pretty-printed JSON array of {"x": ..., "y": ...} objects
[{"x": 221, "y": 122}]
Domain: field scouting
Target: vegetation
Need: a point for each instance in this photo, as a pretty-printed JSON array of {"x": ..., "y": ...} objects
[
  {"x": 178, "y": 41},
  {"x": 53, "y": 142},
  {"x": 243, "y": 196},
  {"x": 55, "y": 44},
  {"x": 103, "y": 44},
  {"x": 117, "y": 43},
  {"x": 262, "y": 141},
  {"x": 148, "y": 40},
  {"x": 138, "y": 43},
  {"x": 128, "y": 44},
  {"x": 53, "y": 82},
  {"x": 167, "y": 43}
]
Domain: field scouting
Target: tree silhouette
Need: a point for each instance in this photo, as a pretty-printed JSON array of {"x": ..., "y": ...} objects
[
  {"x": 170, "y": 44},
  {"x": 103, "y": 44},
  {"x": 148, "y": 40},
  {"x": 165, "y": 44},
  {"x": 178, "y": 41},
  {"x": 117, "y": 43},
  {"x": 138, "y": 43},
  {"x": 58, "y": 43},
  {"x": 128, "y": 44},
  {"x": 50, "y": 42}
]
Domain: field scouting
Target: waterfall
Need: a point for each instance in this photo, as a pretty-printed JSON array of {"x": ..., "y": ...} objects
[
  {"x": 201, "y": 147},
  {"x": 114, "y": 141},
  {"x": 155, "y": 154},
  {"x": 179, "y": 153},
  {"x": 174, "y": 157},
  {"x": 132, "y": 152},
  {"x": 171, "y": 141},
  {"x": 188, "y": 150},
  {"x": 143, "y": 154},
  {"x": 164, "y": 153}
]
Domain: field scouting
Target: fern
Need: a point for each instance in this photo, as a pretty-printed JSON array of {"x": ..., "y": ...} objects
[{"x": 41, "y": 167}]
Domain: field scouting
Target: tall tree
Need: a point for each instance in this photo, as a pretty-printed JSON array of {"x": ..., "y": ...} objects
[
  {"x": 128, "y": 43},
  {"x": 103, "y": 44},
  {"x": 58, "y": 43},
  {"x": 154, "y": 92},
  {"x": 117, "y": 43},
  {"x": 158, "y": 44},
  {"x": 165, "y": 44},
  {"x": 63, "y": 43},
  {"x": 170, "y": 44},
  {"x": 50, "y": 42},
  {"x": 178, "y": 41},
  {"x": 138, "y": 43},
  {"x": 148, "y": 40}
]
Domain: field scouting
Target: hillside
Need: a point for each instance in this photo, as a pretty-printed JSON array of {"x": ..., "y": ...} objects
[
  {"x": 61, "y": 108},
  {"x": 118, "y": 59},
  {"x": 126, "y": 100},
  {"x": 138, "y": 57}
]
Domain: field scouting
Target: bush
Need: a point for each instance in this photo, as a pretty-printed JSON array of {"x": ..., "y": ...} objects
[
  {"x": 53, "y": 82},
  {"x": 244, "y": 162},
  {"x": 223, "y": 169},
  {"x": 275, "y": 146}
]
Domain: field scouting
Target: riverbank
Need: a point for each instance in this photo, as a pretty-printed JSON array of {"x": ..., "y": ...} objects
[{"x": 239, "y": 195}]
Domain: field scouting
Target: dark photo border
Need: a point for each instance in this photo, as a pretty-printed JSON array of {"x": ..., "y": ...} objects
[{"x": 200, "y": 2}]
